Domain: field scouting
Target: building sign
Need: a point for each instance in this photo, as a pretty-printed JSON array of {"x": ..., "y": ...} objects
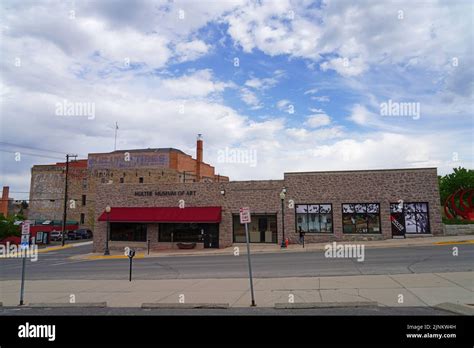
[
  {"x": 164, "y": 193},
  {"x": 119, "y": 160}
]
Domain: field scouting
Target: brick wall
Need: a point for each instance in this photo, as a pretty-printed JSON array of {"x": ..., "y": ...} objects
[{"x": 383, "y": 186}]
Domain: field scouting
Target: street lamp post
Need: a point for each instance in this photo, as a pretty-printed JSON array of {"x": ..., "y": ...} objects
[
  {"x": 282, "y": 197},
  {"x": 107, "y": 211}
]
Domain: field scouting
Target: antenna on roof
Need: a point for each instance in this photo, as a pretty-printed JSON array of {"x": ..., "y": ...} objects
[{"x": 115, "y": 142}]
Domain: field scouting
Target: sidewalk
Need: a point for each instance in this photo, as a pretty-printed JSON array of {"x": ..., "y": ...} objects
[
  {"x": 275, "y": 248},
  {"x": 428, "y": 289},
  {"x": 47, "y": 249}
]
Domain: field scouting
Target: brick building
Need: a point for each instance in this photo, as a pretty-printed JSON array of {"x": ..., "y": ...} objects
[
  {"x": 140, "y": 166},
  {"x": 326, "y": 206}
]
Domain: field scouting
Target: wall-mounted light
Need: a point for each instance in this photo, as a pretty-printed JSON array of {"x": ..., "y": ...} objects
[{"x": 223, "y": 192}]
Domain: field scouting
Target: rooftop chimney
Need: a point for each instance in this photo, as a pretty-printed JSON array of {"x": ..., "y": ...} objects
[
  {"x": 4, "y": 202},
  {"x": 198, "y": 157}
]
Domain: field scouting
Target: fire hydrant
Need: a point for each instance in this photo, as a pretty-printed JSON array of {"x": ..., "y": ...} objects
[{"x": 286, "y": 242}]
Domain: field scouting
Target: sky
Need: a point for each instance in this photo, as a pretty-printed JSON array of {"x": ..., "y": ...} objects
[{"x": 273, "y": 86}]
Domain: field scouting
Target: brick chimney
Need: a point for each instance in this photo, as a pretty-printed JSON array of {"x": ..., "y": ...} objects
[
  {"x": 4, "y": 202},
  {"x": 198, "y": 157}
]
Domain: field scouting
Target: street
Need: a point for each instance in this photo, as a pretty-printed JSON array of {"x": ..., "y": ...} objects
[
  {"x": 227, "y": 312},
  {"x": 397, "y": 260}
]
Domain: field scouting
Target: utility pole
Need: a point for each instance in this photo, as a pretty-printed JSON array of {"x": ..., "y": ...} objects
[{"x": 65, "y": 199}]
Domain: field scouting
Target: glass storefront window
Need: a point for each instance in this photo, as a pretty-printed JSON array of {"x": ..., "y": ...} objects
[
  {"x": 361, "y": 218},
  {"x": 128, "y": 232},
  {"x": 313, "y": 218},
  {"x": 262, "y": 229},
  {"x": 415, "y": 215}
]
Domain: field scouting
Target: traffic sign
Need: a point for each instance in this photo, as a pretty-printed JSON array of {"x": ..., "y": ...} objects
[
  {"x": 25, "y": 228},
  {"x": 245, "y": 215}
]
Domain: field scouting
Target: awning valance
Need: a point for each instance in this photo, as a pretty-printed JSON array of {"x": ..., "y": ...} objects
[{"x": 163, "y": 214}]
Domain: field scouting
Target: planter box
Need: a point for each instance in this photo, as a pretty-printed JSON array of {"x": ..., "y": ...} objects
[{"x": 186, "y": 245}]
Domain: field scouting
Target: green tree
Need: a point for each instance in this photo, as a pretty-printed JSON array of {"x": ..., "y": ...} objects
[{"x": 8, "y": 227}]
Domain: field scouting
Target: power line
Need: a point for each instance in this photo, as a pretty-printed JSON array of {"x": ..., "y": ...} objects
[
  {"x": 32, "y": 154},
  {"x": 36, "y": 148}
]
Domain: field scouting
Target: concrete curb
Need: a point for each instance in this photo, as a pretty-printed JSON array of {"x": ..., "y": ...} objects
[
  {"x": 456, "y": 308},
  {"x": 303, "y": 305},
  {"x": 185, "y": 305},
  {"x": 68, "y": 305},
  {"x": 319, "y": 247}
]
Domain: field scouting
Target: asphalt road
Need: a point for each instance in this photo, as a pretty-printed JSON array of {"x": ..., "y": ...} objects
[
  {"x": 426, "y": 259},
  {"x": 346, "y": 311}
]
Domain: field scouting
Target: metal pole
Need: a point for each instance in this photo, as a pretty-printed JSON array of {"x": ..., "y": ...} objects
[
  {"x": 283, "y": 244},
  {"x": 65, "y": 201},
  {"x": 250, "y": 264},
  {"x": 107, "y": 252},
  {"x": 130, "y": 278},
  {"x": 148, "y": 247},
  {"x": 22, "y": 289}
]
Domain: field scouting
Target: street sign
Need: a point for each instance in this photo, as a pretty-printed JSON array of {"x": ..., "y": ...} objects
[
  {"x": 25, "y": 228},
  {"x": 25, "y": 241},
  {"x": 245, "y": 215},
  {"x": 245, "y": 219}
]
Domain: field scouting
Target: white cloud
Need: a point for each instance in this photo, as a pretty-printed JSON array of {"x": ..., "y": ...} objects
[
  {"x": 249, "y": 98},
  {"x": 317, "y": 120},
  {"x": 192, "y": 50},
  {"x": 321, "y": 99},
  {"x": 261, "y": 84},
  {"x": 360, "y": 115},
  {"x": 198, "y": 84},
  {"x": 311, "y": 91},
  {"x": 345, "y": 67}
]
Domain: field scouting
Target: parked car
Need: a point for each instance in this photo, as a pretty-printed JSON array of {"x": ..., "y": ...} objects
[
  {"x": 72, "y": 235},
  {"x": 55, "y": 236},
  {"x": 83, "y": 233}
]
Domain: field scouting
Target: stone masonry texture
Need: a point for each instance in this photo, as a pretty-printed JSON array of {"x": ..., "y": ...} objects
[{"x": 262, "y": 197}]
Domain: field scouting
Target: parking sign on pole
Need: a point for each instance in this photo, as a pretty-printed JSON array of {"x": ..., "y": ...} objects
[
  {"x": 25, "y": 242},
  {"x": 245, "y": 219}
]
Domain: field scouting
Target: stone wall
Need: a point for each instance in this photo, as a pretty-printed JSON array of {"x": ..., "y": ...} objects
[
  {"x": 377, "y": 186},
  {"x": 381, "y": 186},
  {"x": 258, "y": 195},
  {"x": 458, "y": 230},
  {"x": 47, "y": 192}
]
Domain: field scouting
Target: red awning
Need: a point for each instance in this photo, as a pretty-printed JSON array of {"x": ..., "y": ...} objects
[{"x": 166, "y": 214}]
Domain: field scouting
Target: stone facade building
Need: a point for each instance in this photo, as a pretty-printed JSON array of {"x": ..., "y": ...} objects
[
  {"x": 139, "y": 166},
  {"x": 322, "y": 206}
]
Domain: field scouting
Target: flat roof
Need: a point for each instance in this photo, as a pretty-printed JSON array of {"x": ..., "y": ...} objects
[
  {"x": 360, "y": 170},
  {"x": 161, "y": 149}
]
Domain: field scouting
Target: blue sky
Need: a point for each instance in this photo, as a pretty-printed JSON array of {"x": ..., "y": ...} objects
[{"x": 307, "y": 93}]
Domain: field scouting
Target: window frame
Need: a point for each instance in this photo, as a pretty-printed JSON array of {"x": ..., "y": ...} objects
[
  {"x": 416, "y": 216},
  {"x": 366, "y": 218},
  {"x": 318, "y": 213}
]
